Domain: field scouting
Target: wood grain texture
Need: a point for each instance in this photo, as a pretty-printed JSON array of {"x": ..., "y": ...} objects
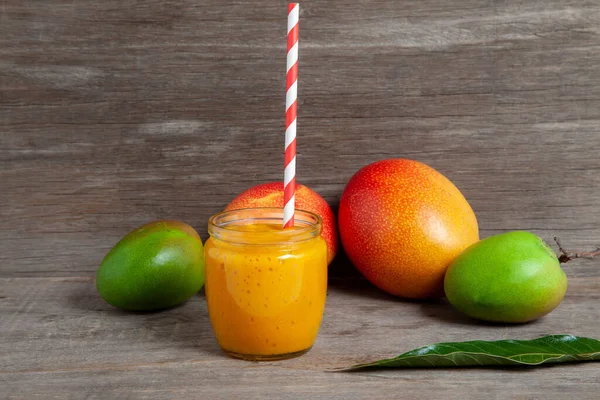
[
  {"x": 119, "y": 112},
  {"x": 60, "y": 338}
]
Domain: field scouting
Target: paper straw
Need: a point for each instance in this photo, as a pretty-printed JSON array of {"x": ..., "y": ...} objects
[{"x": 291, "y": 96}]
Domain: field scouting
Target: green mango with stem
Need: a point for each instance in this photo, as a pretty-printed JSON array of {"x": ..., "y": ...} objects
[{"x": 511, "y": 277}]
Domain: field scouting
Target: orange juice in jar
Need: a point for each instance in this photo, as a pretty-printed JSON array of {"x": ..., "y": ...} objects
[{"x": 265, "y": 285}]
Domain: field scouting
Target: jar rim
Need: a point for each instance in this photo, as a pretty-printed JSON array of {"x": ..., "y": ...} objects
[{"x": 307, "y": 225}]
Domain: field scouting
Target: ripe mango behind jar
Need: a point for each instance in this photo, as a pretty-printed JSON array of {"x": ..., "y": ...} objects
[{"x": 510, "y": 277}]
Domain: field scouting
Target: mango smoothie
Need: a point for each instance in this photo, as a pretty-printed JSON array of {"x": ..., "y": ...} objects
[{"x": 265, "y": 286}]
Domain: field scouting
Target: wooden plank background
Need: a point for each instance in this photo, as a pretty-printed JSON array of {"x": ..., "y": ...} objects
[{"x": 114, "y": 113}]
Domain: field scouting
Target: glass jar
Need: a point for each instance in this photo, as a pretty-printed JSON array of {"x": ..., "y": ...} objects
[{"x": 265, "y": 285}]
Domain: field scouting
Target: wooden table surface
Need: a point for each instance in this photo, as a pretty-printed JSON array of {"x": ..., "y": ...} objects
[{"x": 115, "y": 113}]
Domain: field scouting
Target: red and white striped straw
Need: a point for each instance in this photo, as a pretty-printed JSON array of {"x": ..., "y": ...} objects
[{"x": 291, "y": 104}]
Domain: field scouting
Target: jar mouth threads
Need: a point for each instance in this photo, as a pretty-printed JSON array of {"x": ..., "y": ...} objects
[{"x": 229, "y": 226}]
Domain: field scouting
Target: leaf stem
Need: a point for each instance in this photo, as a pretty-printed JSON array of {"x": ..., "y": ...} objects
[{"x": 567, "y": 256}]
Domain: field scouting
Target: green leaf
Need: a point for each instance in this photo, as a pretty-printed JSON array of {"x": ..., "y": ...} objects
[{"x": 545, "y": 350}]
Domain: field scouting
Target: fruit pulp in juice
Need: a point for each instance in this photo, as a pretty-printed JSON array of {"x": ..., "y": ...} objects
[{"x": 265, "y": 300}]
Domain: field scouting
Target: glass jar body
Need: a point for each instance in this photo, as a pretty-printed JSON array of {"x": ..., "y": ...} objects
[{"x": 265, "y": 286}]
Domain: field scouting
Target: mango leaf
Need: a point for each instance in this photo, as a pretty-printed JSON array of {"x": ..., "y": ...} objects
[{"x": 545, "y": 350}]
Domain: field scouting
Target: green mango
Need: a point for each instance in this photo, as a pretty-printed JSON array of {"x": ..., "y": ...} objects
[
  {"x": 511, "y": 277},
  {"x": 158, "y": 265}
]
